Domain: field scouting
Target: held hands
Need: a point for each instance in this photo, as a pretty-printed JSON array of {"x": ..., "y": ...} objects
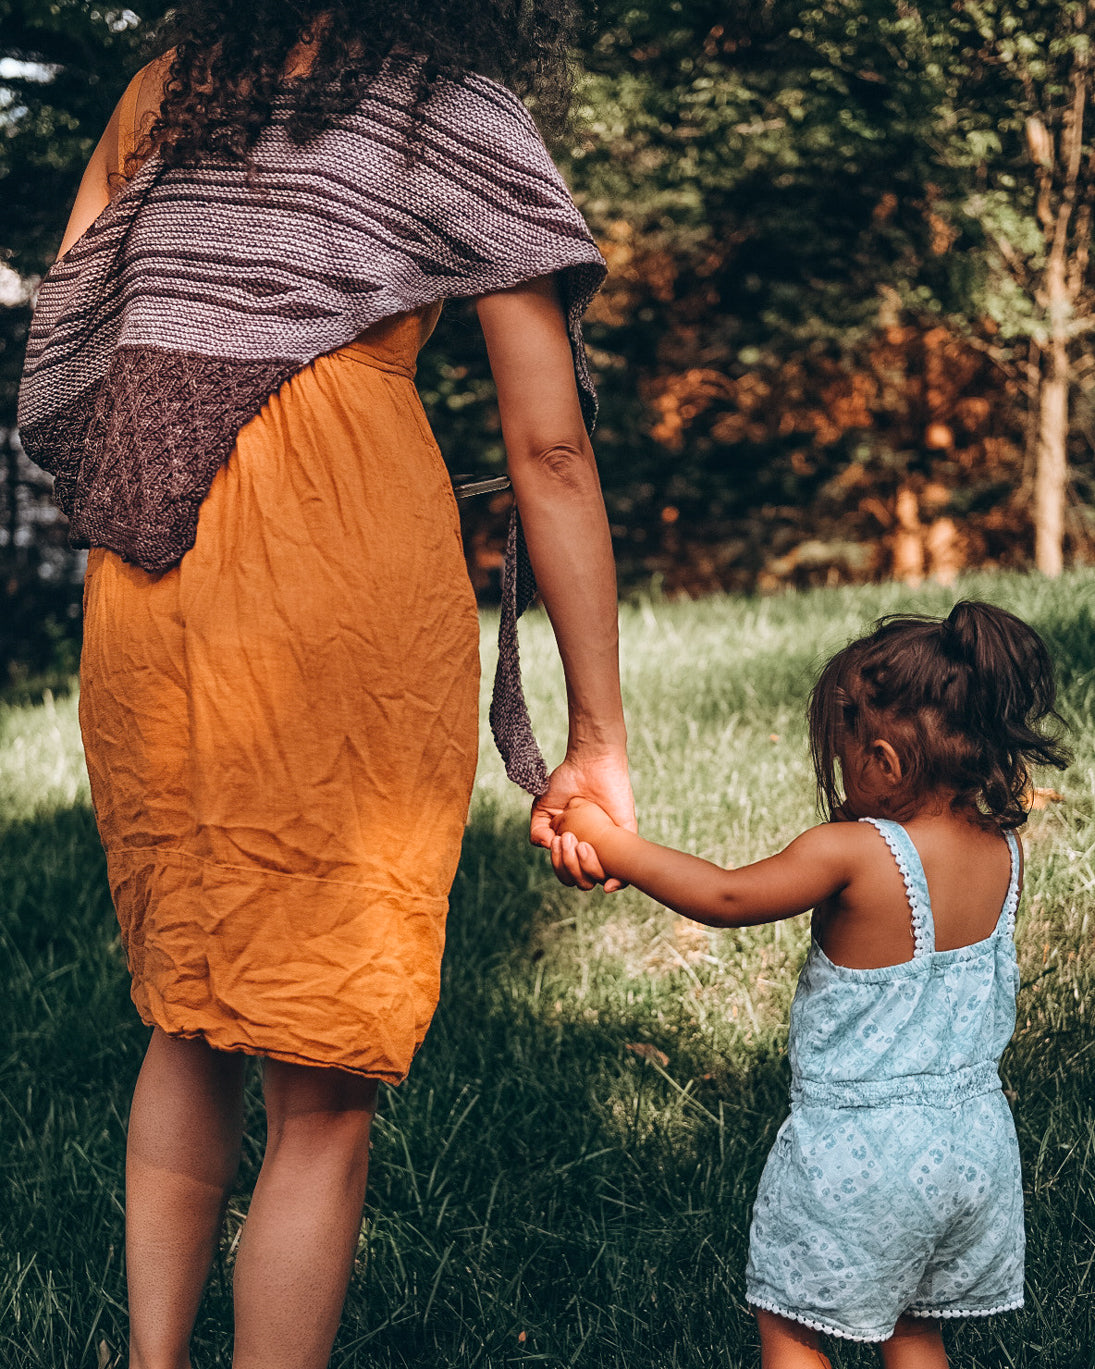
[
  {"x": 601, "y": 789},
  {"x": 578, "y": 830}
]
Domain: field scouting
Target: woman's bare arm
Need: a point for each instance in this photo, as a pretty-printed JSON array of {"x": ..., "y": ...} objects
[
  {"x": 554, "y": 476},
  {"x": 96, "y": 191}
]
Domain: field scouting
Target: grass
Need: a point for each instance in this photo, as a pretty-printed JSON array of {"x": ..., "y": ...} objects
[{"x": 542, "y": 1194}]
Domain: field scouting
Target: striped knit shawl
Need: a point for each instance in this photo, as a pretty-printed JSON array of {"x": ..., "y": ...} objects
[{"x": 200, "y": 290}]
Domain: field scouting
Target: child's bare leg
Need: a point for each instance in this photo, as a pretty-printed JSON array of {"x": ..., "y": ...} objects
[
  {"x": 181, "y": 1159},
  {"x": 917, "y": 1343},
  {"x": 297, "y": 1250},
  {"x": 786, "y": 1344}
]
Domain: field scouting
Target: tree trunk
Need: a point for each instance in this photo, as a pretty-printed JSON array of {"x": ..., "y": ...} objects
[
  {"x": 1066, "y": 225},
  {"x": 1051, "y": 470}
]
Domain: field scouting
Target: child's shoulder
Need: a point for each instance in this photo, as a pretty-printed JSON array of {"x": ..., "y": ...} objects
[
  {"x": 841, "y": 836},
  {"x": 844, "y": 847}
]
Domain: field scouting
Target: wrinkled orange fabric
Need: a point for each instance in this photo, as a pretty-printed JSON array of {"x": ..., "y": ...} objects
[{"x": 281, "y": 730}]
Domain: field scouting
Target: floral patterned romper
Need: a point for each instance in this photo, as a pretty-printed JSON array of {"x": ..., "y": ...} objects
[{"x": 894, "y": 1185}]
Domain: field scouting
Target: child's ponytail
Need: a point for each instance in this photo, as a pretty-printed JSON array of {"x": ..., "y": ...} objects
[
  {"x": 964, "y": 700},
  {"x": 1010, "y": 689}
]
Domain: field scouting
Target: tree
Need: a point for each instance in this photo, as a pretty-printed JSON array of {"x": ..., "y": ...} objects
[
  {"x": 762, "y": 181},
  {"x": 66, "y": 64},
  {"x": 1025, "y": 92},
  {"x": 799, "y": 179}
]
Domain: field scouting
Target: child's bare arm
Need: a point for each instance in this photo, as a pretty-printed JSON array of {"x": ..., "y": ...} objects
[{"x": 814, "y": 867}]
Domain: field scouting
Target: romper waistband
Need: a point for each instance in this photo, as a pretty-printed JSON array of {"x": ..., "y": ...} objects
[{"x": 931, "y": 1090}]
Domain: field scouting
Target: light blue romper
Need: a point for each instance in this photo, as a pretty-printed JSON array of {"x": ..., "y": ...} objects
[{"x": 894, "y": 1186}]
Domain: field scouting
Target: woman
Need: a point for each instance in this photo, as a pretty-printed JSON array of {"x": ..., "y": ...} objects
[{"x": 279, "y": 679}]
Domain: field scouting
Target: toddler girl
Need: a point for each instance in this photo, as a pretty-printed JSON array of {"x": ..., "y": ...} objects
[{"x": 892, "y": 1196}]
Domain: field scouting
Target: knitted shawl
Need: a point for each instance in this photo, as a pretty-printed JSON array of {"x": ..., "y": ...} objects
[{"x": 200, "y": 290}]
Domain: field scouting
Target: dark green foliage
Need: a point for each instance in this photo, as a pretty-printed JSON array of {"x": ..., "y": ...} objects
[{"x": 795, "y": 199}]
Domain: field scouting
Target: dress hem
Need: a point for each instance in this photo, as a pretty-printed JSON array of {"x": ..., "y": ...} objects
[{"x": 286, "y": 1057}]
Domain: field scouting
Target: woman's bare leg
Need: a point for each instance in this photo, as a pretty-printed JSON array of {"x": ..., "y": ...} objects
[
  {"x": 182, "y": 1154},
  {"x": 917, "y": 1343},
  {"x": 786, "y": 1344},
  {"x": 297, "y": 1250}
]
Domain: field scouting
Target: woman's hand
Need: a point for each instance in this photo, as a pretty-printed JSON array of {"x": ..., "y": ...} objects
[
  {"x": 580, "y": 831},
  {"x": 602, "y": 780}
]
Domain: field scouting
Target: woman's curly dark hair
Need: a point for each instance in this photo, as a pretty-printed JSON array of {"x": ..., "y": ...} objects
[
  {"x": 229, "y": 62},
  {"x": 963, "y": 700}
]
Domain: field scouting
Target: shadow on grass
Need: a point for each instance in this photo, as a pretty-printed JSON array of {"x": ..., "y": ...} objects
[
  {"x": 540, "y": 1195},
  {"x": 71, "y": 1049}
]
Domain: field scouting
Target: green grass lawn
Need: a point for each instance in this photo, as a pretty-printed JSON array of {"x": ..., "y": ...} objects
[{"x": 542, "y": 1193}]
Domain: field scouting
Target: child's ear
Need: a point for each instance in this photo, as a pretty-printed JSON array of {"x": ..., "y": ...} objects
[{"x": 887, "y": 761}]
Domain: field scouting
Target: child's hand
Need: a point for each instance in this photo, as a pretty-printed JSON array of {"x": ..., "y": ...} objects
[
  {"x": 575, "y": 830},
  {"x": 585, "y": 819}
]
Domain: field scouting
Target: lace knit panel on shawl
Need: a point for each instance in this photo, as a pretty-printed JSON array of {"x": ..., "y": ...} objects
[
  {"x": 137, "y": 491},
  {"x": 199, "y": 291}
]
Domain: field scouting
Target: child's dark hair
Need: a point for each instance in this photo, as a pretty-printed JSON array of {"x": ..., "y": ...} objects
[{"x": 961, "y": 700}]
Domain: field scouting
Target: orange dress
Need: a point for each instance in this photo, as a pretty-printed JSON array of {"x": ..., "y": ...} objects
[{"x": 281, "y": 730}]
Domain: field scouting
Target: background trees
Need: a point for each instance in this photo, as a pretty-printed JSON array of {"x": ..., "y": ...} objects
[
  {"x": 1024, "y": 87},
  {"x": 852, "y": 249},
  {"x": 847, "y": 329},
  {"x": 63, "y": 65}
]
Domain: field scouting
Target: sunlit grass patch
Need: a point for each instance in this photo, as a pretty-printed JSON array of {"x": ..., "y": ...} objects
[{"x": 42, "y": 767}]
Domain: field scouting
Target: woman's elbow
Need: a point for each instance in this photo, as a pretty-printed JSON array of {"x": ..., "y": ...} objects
[{"x": 562, "y": 466}]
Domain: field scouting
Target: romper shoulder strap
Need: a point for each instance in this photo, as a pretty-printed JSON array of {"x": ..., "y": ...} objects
[
  {"x": 909, "y": 863},
  {"x": 1005, "y": 926}
]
